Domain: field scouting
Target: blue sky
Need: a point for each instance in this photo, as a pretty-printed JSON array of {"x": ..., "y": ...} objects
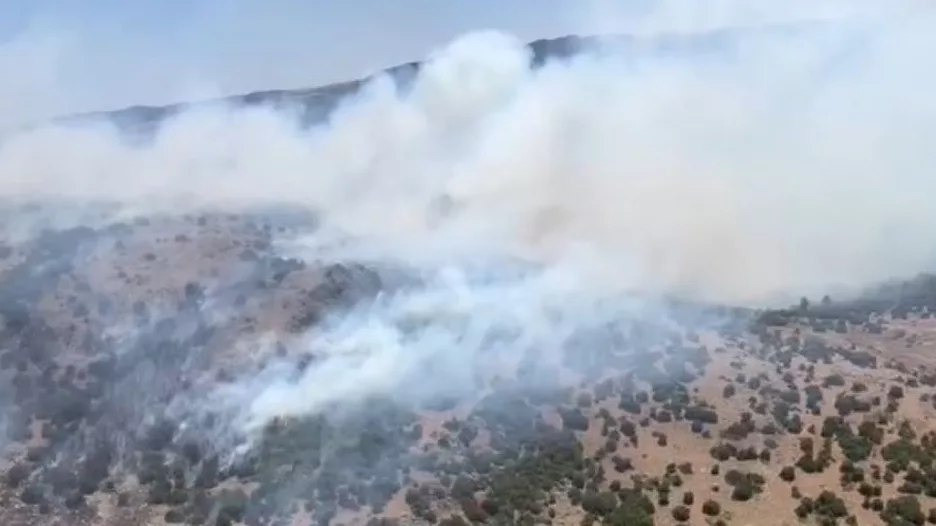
[{"x": 60, "y": 56}]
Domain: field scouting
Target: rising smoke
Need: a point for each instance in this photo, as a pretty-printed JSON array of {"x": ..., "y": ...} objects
[{"x": 534, "y": 204}]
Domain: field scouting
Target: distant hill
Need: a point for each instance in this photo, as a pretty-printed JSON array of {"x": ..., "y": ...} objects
[{"x": 316, "y": 103}]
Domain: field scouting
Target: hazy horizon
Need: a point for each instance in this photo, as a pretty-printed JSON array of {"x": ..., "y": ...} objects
[{"x": 62, "y": 57}]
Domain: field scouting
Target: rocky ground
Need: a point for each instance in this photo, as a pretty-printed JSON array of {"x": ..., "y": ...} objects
[{"x": 823, "y": 413}]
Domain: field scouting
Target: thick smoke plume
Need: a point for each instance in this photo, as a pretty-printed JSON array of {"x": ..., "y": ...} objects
[{"x": 529, "y": 202}]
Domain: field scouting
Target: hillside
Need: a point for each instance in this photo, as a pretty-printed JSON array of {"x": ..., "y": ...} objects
[
  {"x": 823, "y": 412},
  {"x": 187, "y": 368}
]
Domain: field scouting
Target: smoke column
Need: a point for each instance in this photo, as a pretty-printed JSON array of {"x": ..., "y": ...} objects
[{"x": 536, "y": 203}]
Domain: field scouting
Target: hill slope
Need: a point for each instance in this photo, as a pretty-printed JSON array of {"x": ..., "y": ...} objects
[{"x": 187, "y": 368}]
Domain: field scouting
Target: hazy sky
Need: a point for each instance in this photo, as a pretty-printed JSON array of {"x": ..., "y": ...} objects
[{"x": 72, "y": 55}]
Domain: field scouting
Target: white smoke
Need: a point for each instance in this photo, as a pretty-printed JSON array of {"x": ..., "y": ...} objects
[{"x": 787, "y": 164}]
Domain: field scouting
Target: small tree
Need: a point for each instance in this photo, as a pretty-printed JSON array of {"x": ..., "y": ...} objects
[
  {"x": 681, "y": 513},
  {"x": 711, "y": 508}
]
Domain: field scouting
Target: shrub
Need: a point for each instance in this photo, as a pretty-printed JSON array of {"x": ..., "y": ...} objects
[
  {"x": 700, "y": 414},
  {"x": 583, "y": 400},
  {"x": 600, "y": 504},
  {"x": 711, "y": 508},
  {"x": 804, "y": 509},
  {"x": 828, "y": 504},
  {"x": 681, "y": 513},
  {"x": 32, "y": 495},
  {"x": 574, "y": 420},
  {"x": 635, "y": 509},
  {"x": 174, "y": 517},
  {"x": 905, "y": 507},
  {"x": 473, "y": 511},
  {"x": 17, "y": 474},
  {"x": 621, "y": 464},
  {"x": 723, "y": 452},
  {"x": 742, "y": 493}
]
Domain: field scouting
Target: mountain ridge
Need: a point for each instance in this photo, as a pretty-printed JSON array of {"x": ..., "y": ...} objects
[{"x": 317, "y": 102}]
